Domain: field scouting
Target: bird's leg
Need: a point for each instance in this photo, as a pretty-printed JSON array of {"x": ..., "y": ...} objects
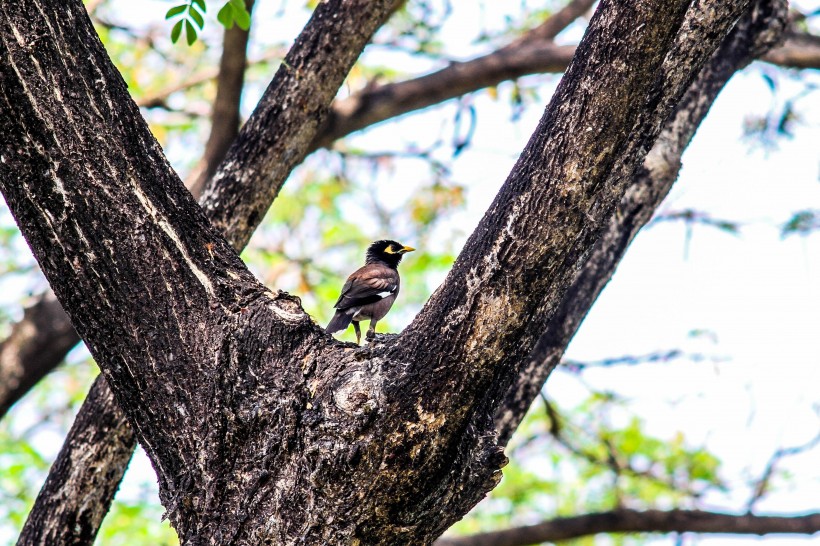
[
  {"x": 371, "y": 332},
  {"x": 358, "y": 332}
]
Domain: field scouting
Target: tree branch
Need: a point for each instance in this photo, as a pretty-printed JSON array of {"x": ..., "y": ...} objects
[
  {"x": 529, "y": 56},
  {"x": 755, "y": 33},
  {"x": 524, "y": 57},
  {"x": 800, "y": 50},
  {"x": 336, "y": 28},
  {"x": 451, "y": 79},
  {"x": 635, "y": 521},
  {"x": 36, "y": 345},
  {"x": 72, "y": 503},
  {"x": 499, "y": 323},
  {"x": 555, "y": 23},
  {"x": 762, "y": 485},
  {"x": 295, "y": 103},
  {"x": 225, "y": 112},
  {"x": 184, "y": 499}
]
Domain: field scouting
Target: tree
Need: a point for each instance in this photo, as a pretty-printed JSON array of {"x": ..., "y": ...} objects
[{"x": 242, "y": 441}]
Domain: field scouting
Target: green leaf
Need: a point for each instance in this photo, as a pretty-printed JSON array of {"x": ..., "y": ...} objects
[
  {"x": 175, "y": 32},
  {"x": 190, "y": 33},
  {"x": 197, "y": 17},
  {"x": 200, "y": 4},
  {"x": 174, "y": 11},
  {"x": 225, "y": 15},
  {"x": 240, "y": 14}
]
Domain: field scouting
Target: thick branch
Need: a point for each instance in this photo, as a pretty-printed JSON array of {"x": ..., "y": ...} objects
[
  {"x": 99, "y": 445},
  {"x": 379, "y": 103},
  {"x": 508, "y": 281},
  {"x": 88, "y": 495},
  {"x": 170, "y": 479},
  {"x": 36, "y": 345},
  {"x": 634, "y": 521},
  {"x": 382, "y": 102},
  {"x": 295, "y": 104},
  {"x": 758, "y": 31},
  {"x": 800, "y": 50}
]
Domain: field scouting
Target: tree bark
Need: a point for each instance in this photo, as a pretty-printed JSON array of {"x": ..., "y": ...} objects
[
  {"x": 758, "y": 31},
  {"x": 533, "y": 53},
  {"x": 261, "y": 427},
  {"x": 330, "y": 61},
  {"x": 69, "y": 482},
  {"x": 36, "y": 345}
]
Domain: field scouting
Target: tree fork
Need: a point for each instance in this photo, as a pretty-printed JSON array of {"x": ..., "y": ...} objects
[{"x": 248, "y": 411}]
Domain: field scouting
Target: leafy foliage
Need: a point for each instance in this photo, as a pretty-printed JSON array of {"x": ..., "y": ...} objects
[
  {"x": 191, "y": 18},
  {"x": 234, "y": 12},
  {"x": 592, "y": 457}
]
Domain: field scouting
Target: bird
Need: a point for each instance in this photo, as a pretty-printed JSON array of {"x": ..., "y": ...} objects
[{"x": 370, "y": 291}]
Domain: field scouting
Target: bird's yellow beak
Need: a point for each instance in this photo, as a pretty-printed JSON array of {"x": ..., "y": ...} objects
[{"x": 405, "y": 249}]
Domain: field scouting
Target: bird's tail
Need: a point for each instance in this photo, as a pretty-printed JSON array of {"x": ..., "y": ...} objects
[{"x": 340, "y": 321}]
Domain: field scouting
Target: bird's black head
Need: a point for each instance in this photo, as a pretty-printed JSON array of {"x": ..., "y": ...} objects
[{"x": 389, "y": 252}]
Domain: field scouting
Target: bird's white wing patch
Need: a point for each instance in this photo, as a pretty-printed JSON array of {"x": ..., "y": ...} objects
[{"x": 384, "y": 294}]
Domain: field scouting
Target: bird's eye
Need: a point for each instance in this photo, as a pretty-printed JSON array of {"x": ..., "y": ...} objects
[{"x": 389, "y": 249}]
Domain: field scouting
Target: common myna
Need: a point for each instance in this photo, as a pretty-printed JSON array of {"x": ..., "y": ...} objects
[{"x": 371, "y": 290}]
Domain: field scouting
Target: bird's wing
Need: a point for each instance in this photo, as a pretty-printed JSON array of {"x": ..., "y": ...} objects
[{"x": 368, "y": 284}]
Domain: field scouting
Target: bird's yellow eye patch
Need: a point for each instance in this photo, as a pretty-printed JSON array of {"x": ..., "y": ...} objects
[{"x": 389, "y": 249}]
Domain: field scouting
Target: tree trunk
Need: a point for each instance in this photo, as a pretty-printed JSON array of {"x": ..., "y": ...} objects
[{"x": 262, "y": 428}]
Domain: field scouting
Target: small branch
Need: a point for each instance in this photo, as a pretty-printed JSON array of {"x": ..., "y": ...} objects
[
  {"x": 576, "y": 366},
  {"x": 158, "y": 98},
  {"x": 761, "y": 486},
  {"x": 635, "y": 521},
  {"x": 800, "y": 50},
  {"x": 556, "y": 23},
  {"x": 612, "y": 460}
]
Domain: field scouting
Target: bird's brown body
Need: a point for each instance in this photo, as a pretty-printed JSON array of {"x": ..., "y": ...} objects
[{"x": 369, "y": 292}]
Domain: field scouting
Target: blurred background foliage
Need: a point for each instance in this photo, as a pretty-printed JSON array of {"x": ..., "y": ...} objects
[{"x": 566, "y": 459}]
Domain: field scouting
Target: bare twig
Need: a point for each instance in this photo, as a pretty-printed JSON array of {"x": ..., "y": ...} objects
[{"x": 762, "y": 485}]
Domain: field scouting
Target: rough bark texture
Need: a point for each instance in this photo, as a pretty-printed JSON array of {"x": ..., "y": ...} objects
[
  {"x": 36, "y": 345},
  {"x": 78, "y": 527},
  {"x": 533, "y": 53},
  {"x": 758, "y": 31},
  {"x": 634, "y": 521},
  {"x": 261, "y": 428},
  {"x": 64, "y": 510}
]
